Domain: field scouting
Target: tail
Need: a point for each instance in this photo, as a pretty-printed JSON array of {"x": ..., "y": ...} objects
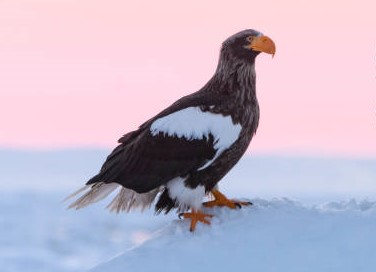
[
  {"x": 93, "y": 194},
  {"x": 125, "y": 201}
]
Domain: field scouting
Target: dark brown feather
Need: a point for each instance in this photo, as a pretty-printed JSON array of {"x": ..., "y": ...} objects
[
  {"x": 148, "y": 161},
  {"x": 143, "y": 162}
]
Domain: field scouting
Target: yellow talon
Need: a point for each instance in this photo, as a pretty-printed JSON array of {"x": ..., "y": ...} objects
[
  {"x": 221, "y": 200},
  {"x": 196, "y": 216}
]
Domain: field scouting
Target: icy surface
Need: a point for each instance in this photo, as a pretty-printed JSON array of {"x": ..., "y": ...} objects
[
  {"x": 330, "y": 227},
  {"x": 277, "y": 235},
  {"x": 320, "y": 179},
  {"x": 38, "y": 234}
]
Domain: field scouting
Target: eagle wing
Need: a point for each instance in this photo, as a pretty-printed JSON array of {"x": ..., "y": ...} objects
[{"x": 147, "y": 159}]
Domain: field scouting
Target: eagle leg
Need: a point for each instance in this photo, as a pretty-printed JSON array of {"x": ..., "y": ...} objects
[
  {"x": 196, "y": 216},
  {"x": 221, "y": 200}
]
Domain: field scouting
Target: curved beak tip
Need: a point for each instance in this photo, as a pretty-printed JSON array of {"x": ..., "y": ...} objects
[{"x": 263, "y": 44}]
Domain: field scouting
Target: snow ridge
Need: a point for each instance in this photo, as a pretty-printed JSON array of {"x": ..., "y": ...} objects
[{"x": 277, "y": 235}]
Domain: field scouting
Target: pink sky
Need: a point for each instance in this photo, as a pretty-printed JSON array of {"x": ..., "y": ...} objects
[{"x": 82, "y": 73}]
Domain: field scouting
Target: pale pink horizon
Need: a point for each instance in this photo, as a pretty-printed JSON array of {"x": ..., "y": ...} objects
[{"x": 82, "y": 73}]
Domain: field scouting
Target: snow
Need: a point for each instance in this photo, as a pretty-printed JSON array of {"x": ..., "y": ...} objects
[
  {"x": 308, "y": 214},
  {"x": 38, "y": 233},
  {"x": 301, "y": 178},
  {"x": 276, "y": 235},
  {"x": 193, "y": 123}
]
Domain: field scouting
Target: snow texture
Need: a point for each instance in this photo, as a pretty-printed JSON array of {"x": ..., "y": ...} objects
[
  {"x": 302, "y": 178},
  {"x": 193, "y": 123},
  {"x": 186, "y": 197},
  {"x": 277, "y": 235},
  {"x": 321, "y": 230},
  {"x": 38, "y": 233}
]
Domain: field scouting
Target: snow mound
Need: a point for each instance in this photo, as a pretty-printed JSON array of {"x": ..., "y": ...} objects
[{"x": 277, "y": 235}]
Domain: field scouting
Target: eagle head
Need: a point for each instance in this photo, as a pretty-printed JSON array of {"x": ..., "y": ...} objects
[{"x": 245, "y": 45}]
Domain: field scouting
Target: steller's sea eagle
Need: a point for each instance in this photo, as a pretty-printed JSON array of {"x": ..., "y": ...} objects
[{"x": 181, "y": 154}]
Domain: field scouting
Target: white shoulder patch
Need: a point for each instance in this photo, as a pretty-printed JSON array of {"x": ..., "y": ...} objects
[{"x": 192, "y": 123}]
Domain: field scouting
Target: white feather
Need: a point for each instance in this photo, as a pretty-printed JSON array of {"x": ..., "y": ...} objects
[
  {"x": 185, "y": 196},
  {"x": 124, "y": 201},
  {"x": 79, "y": 191},
  {"x": 96, "y": 193},
  {"x": 128, "y": 199},
  {"x": 193, "y": 123}
]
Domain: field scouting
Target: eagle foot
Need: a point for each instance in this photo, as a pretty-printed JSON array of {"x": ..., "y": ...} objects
[
  {"x": 221, "y": 200},
  {"x": 196, "y": 216}
]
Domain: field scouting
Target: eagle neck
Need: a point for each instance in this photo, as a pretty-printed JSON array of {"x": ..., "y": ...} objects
[
  {"x": 234, "y": 78},
  {"x": 235, "y": 85}
]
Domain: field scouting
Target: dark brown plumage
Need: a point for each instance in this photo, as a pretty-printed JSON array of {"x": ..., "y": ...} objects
[{"x": 185, "y": 150}]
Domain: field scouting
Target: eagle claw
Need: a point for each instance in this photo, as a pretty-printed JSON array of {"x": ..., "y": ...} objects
[
  {"x": 221, "y": 200},
  {"x": 196, "y": 216}
]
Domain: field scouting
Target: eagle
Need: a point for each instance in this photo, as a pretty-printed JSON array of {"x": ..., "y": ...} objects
[{"x": 177, "y": 157}]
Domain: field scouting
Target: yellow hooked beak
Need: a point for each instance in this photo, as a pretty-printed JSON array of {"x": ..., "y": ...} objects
[{"x": 262, "y": 44}]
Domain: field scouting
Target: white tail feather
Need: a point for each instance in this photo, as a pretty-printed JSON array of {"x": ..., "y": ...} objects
[
  {"x": 128, "y": 199},
  {"x": 96, "y": 193},
  {"x": 79, "y": 191},
  {"x": 124, "y": 201}
]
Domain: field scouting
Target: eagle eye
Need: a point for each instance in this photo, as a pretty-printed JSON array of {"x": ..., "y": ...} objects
[{"x": 249, "y": 39}]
